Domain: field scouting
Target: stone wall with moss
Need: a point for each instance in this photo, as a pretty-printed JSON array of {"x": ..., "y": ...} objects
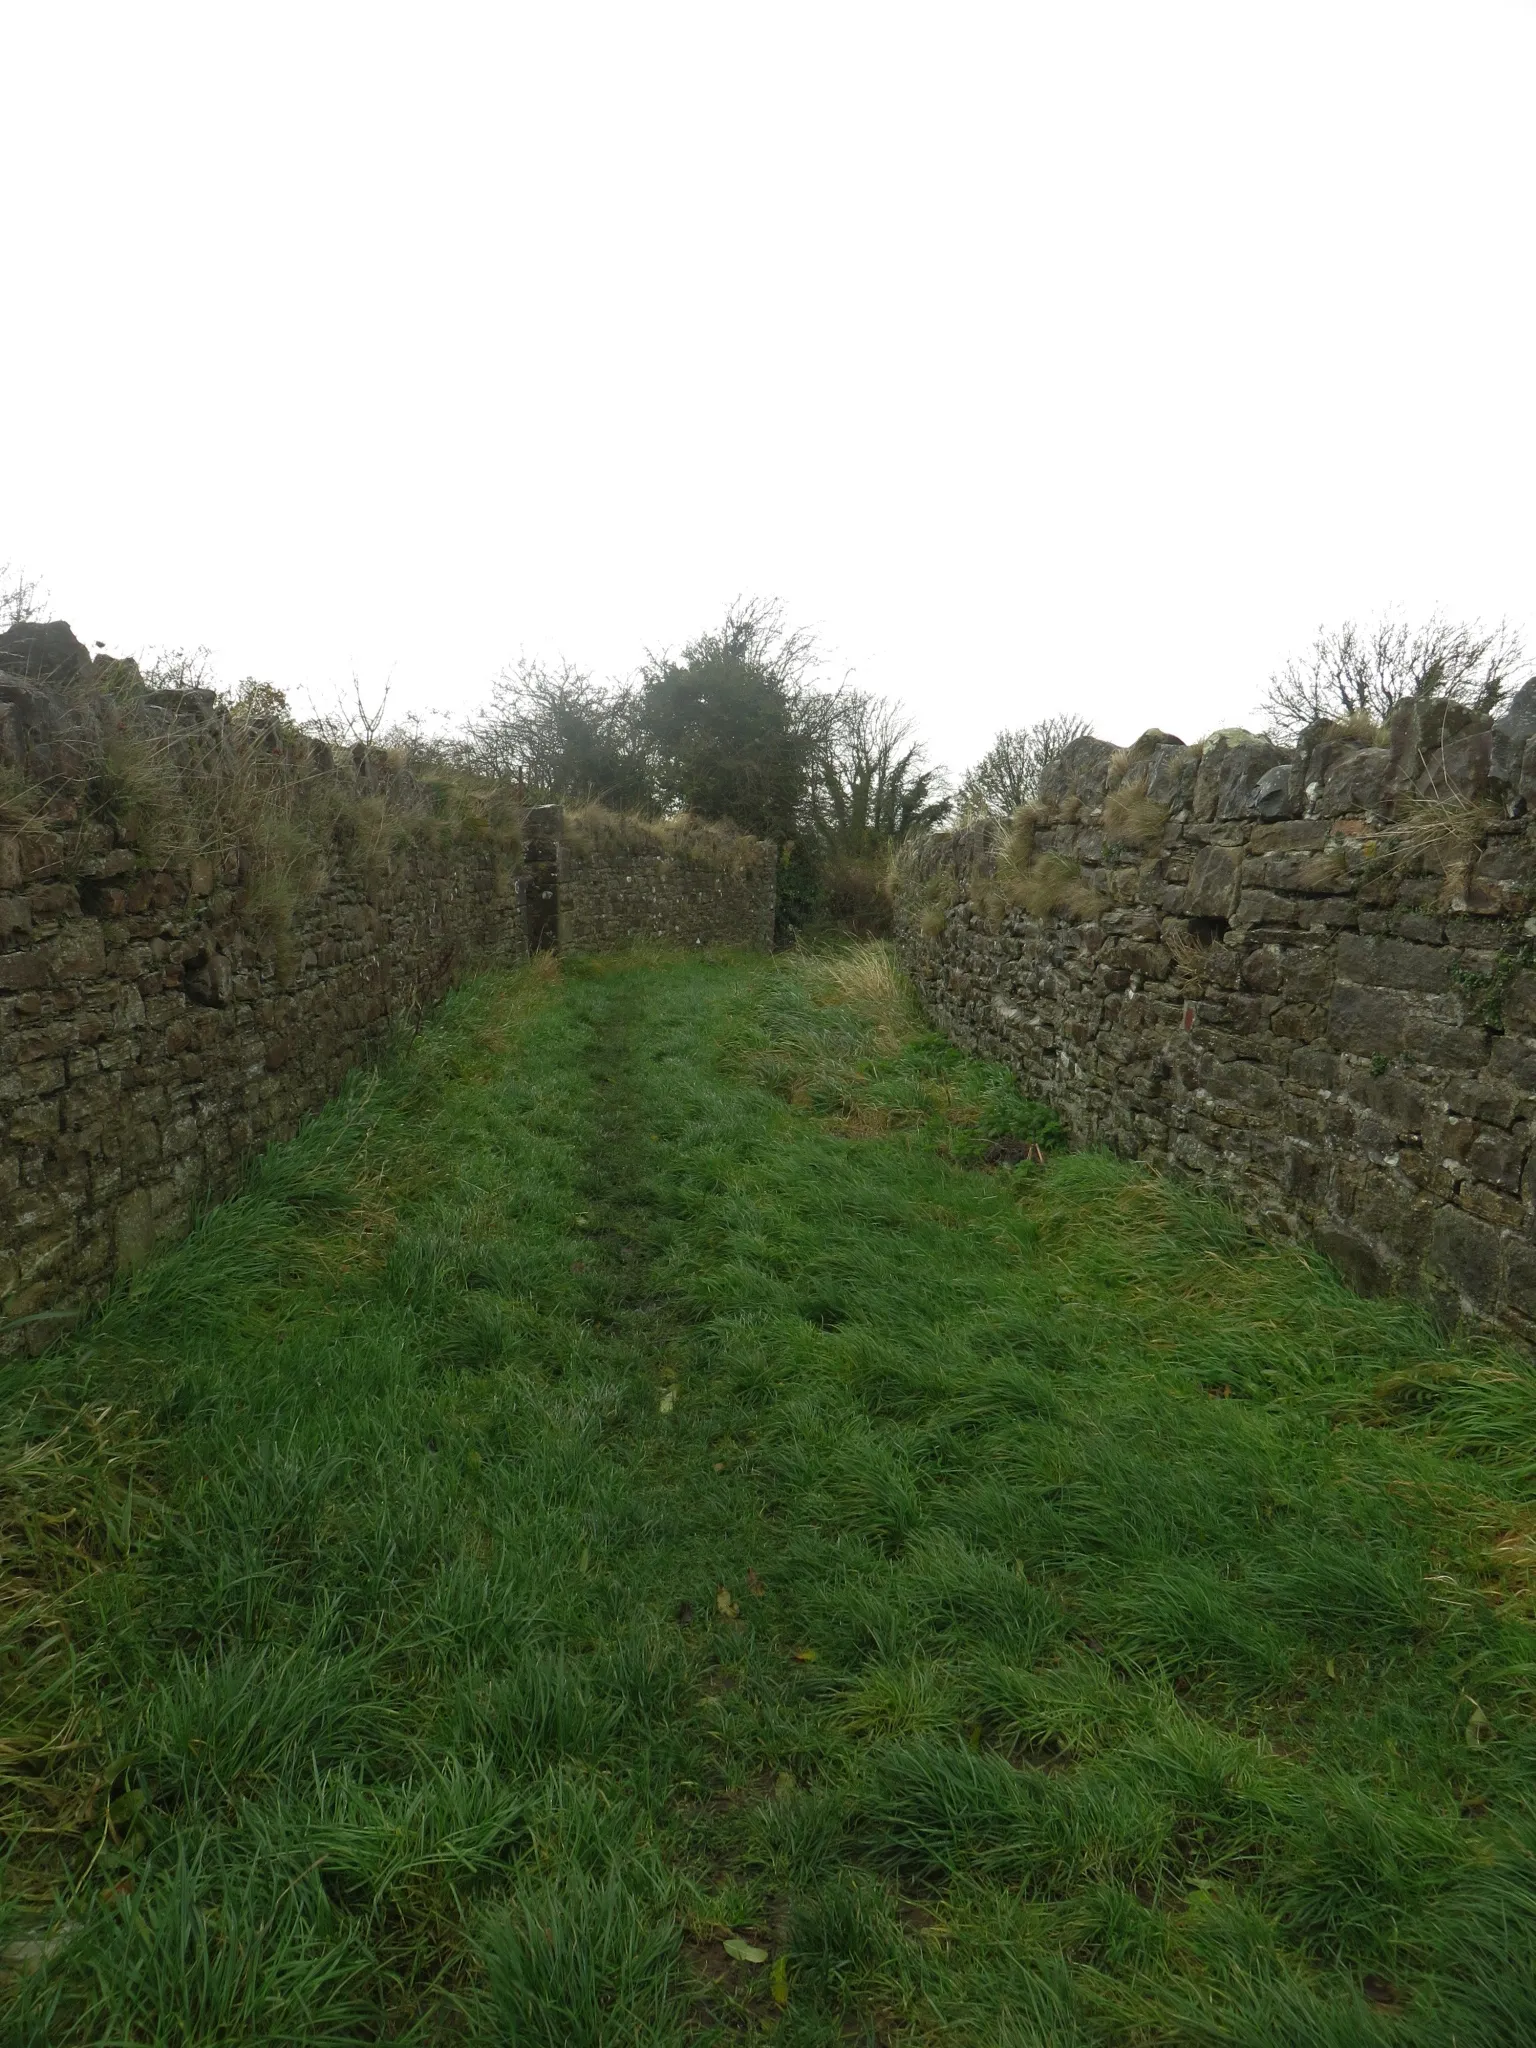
[
  {"x": 672, "y": 883},
  {"x": 177, "y": 991},
  {"x": 151, "y": 1040},
  {"x": 1304, "y": 978}
]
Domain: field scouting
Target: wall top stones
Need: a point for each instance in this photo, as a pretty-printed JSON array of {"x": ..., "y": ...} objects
[{"x": 1429, "y": 750}]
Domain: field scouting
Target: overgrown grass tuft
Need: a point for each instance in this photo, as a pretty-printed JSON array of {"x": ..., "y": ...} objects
[{"x": 658, "y": 1518}]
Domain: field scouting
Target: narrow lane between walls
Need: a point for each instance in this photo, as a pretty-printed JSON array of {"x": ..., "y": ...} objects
[{"x": 676, "y": 1512}]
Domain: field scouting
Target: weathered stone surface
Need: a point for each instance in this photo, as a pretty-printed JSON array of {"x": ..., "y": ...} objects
[
  {"x": 1080, "y": 770},
  {"x": 1517, "y": 721},
  {"x": 1393, "y": 963},
  {"x": 143, "y": 1072},
  {"x": 1459, "y": 770},
  {"x": 1171, "y": 775},
  {"x": 609, "y": 900},
  {"x": 1214, "y": 879},
  {"x": 44, "y": 649},
  {"x": 1318, "y": 1047},
  {"x": 1465, "y": 1257},
  {"x": 1234, "y": 776},
  {"x": 1277, "y": 793},
  {"x": 1356, "y": 786}
]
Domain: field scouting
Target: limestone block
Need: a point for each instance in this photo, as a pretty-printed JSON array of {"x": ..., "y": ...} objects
[
  {"x": 1237, "y": 773},
  {"x": 1278, "y": 793},
  {"x": 78, "y": 950},
  {"x": 1520, "y": 1276},
  {"x": 1459, "y": 770},
  {"x": 1369, "y": 1020},
  {"x": 28, "y": 970},
  {"x": 1356, "y": 785},
  {"x": 1214, "y": 881},
  {"x": 1081, "y": 769},
  {"x": 1171, "y": 773},
  {"x": 1393, "y": 963},
  {"x": 1467, "y": 1255}
]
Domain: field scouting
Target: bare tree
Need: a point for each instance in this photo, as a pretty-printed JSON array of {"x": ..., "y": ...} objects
[
  {"x": 1355, "y": 672},
  {"x": 557, "y": 733},
  {"x": 1008, "y": 773},
  {"x": 179, "y": 668},
  {"x": 355, "y": 726},
  {"x": 22, "y": 597}
]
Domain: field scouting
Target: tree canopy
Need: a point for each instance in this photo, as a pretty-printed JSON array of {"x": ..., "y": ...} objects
[
  {"x": 735, "y": 723},
  {"x": 872, "y": 784},
  {"x": 557, "y": 733}
]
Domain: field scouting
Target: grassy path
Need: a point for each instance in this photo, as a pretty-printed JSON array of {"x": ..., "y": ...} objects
[{"x": 629, "y": 1531}]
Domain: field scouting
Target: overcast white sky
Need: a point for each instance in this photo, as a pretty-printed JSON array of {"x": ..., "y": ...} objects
[{"x": 1039, "y": 356}]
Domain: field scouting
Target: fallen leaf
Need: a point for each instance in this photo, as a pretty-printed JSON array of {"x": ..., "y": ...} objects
[
  {"x": 669, "y": 1400},
  {"x": 755, "y": 1585},
  {"x": 719, "y": 1467},
  {"x": 778, "y": 1983},
  {"x": 803, "y": 1656},
  {"x": 724, "y": 1604},
  {"x": 745, "y": 1951}
]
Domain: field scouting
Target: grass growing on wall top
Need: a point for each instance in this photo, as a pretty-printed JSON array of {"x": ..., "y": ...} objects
[
  {"x": 594, "y": 830},
  {"x": 630, "y": 1532},
  {"x": 179, "y": 777}
]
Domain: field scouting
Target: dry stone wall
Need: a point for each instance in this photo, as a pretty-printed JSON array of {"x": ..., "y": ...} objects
[
  {"x": 1305, "y": 979},
  {"x": 150, "y": 1041},
  {"x": 613, "y": 896}
]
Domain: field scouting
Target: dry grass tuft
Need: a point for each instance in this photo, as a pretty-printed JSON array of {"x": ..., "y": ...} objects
[
  {"x": 1131, "y": 817},
  {"x": 936, "y": 897},
  {"x": 867, "y": 977},
  {"x": 592, "y": 830},
  {"x": 1047, "y": 885},
  {"x": 1438, "y": 833},
  {"x": 1019, "y": 847},
  {"x": 191, "y": 777},
  {"x": 1361, "y": 726},
  {"x": 23, "y": 802},
  {"x": 1187, "y": 952}
]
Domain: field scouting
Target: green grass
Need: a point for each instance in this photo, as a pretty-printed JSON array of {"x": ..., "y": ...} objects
[{"x": 632, "y": 1476}]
